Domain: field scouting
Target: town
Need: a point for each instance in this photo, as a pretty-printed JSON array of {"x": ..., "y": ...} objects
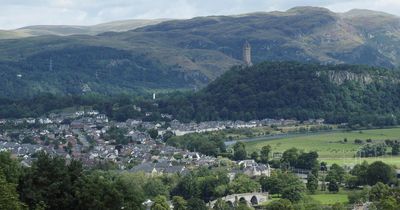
[{"x": 92, "y": 138}]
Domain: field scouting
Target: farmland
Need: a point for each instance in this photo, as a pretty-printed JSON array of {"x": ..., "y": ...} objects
[{"x": 334, "y": 147}]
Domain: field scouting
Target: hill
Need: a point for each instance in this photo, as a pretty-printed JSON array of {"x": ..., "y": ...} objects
[
  {"x": 66, "y": 30},
  {"x": 338, "y": 93},
  {"x": 192, "y": 53},
  {"x": 5, "y": 34}
]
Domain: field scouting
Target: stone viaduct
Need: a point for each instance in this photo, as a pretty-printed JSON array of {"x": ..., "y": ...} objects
[{"x": 252, "y": 199}]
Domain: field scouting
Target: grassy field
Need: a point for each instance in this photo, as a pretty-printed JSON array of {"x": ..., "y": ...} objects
[
  {"x": 329, "y": 198},
  {"x": 325, "y": 198},
  {"x": 331, "y": 147}
]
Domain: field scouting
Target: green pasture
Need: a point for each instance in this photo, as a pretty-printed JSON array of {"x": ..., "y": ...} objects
[
  {"x": 330, "y": 198},
  {"x": 331, "y": 146},
  {"x": 325, "y": 198}
]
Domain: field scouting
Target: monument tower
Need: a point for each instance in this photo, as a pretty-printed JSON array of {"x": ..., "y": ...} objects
[{"x": 247, "y": 54}]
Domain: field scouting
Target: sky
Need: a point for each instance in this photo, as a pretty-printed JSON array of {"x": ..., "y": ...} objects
[{"x": 19, "y": 13}]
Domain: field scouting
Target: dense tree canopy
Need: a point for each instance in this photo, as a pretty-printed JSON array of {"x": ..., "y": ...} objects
[
  {"x": 209, "y": 144},
  {"x": 294, "y": 90}
]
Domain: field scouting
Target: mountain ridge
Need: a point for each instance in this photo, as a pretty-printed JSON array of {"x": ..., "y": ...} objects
[
  {"x": 67, "y": 30},
  {"x": 200, "y": 49}
]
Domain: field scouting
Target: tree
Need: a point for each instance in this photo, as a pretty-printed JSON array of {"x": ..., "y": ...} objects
[
  {"x": 9, "y": 167},
  {"x": 160, "y": 203},
  {"x": 359, "y": 196},
  {"x": 270, "y": 184},
  {"x": 360, "y": 171},
  {"x": 196, "y": 204},
  {"x": 338, "y": 206},
  {"x": 117, "y": 134},
  {"x": 153, "y": 133},
  {"x": 239, "y": 151},
  {"x": 323, "y": 166},
  {"x": 49, "y": 180},
  {"x": 388, "y": 203},
  {"x": 254, "y": 155},
  {"x": 167, "y": 135},
  {"x": 264, "y": 154},
  {"x": 380, "y": 172},
  {"x": 243, "y": 206},
  {"x": 336, "y": 173},
  {"x": 8, "y": 195},
  {"x": 243, "y": 184},
  {"x": 308, "y": 160},
  {"x": 281, "y": 204},
  {"x": 396, "y": 149},
  {"x": 333, "y": 186},
  {"x": 98, "y": 191},
  {"x": 155, "y": 187},
  {"x": 131, "y": 188},
  {"x": 293, "y": 193},
  {"x": 290, "y": 157},
  {"x": 221, "y": 205},
  {"x": 351, "y": 181},
  {"x": 312, "y": 183},
  {"x": 187, "y": 187},
  {"x": 278, "y": 181},
  {"x": 179, "y": 203},
  {"x": 379, "y": 191}
]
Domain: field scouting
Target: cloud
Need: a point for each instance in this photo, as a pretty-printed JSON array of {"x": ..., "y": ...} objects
[{"x": 18, "y": 13}]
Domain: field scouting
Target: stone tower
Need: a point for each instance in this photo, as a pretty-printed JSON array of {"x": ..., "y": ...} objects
[{"x": 247, "y": 54}]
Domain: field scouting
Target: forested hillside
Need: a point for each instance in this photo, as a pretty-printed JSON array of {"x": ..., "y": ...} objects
[
  {"x": 81, "y": 69},
  {"x": 337, "y": 93}
]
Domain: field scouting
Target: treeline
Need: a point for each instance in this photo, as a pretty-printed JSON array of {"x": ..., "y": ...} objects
[
  {"x": 208, "y": 144},
  {"x": 54, "y": 183},
  {"x": 118, "y": 107},
  {"x": 359, "y": 95},
  {"x": 376, "y": 149}
]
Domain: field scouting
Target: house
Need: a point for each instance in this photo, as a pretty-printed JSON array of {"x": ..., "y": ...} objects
[
  {"x": 157, "y": 169},
  {"x": 77, "y": 124},
  {"x": 260, "y": 170},
  {"x": 92, "y": 112},
  {"x": 79, "y": 113},
  {"x": 252, "y": 168},
  {"x": 30, "y": 120}
]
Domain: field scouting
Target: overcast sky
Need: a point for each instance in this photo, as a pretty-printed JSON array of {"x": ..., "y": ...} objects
[{"x": 19, "y": 13}]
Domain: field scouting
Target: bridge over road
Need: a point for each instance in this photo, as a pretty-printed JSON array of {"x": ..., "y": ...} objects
[{"x": 252, "y": 199}]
